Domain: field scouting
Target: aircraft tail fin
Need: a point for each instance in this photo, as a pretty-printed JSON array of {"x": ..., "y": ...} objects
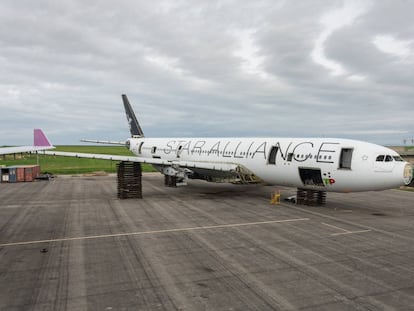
[
  {"x": 40, "y": 139},
  {"x": 134, "y": 126}
]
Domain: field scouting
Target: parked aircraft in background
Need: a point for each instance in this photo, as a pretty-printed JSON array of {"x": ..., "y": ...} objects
[
  {"x": 40, "y": 142},
  {"x": 323, "y": 164}
]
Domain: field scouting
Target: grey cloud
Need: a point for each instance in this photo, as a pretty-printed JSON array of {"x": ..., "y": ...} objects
[{"x": 65, "y": 64}]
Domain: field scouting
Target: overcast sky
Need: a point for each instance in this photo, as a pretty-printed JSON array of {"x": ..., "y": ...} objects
[{"x": 207, "y": 68}]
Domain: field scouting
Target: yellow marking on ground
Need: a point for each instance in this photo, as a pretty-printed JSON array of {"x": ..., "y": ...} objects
[
  {"x": 332, "y": 226},
  {"x": 345, "y": 231},
  {"x": 154, "y": 232},
  {"x": 350, "y": 232}
]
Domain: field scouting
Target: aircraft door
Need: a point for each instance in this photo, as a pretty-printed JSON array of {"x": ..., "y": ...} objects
[
  {"x": 272, "y": 155},
  {"x": 311, "y": 176},
  {"x": 179, "y": 150},
  {"x": 140, "y": 147},
  {"x": 345, "y": 160}
]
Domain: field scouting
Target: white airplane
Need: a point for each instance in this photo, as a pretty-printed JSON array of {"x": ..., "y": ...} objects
[
  {"x": 322, "y": 164},
  {"x": 40, "y": 142}
]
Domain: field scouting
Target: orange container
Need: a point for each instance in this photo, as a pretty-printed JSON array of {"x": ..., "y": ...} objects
[{"x": 20, "y": 174}]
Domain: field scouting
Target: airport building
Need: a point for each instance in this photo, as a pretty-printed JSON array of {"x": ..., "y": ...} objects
[{"x": 407, "y": 153}]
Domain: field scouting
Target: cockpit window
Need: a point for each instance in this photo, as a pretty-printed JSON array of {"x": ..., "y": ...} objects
[
  {"x": 388, "y": 158},
  {"x": 398, "y": 158}
]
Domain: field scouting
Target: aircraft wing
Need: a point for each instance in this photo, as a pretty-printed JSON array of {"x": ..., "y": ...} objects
[
  {"x": 40, "y": 143},
  {"x": 21, "y": 149},
  {"x": 217, "y": 166},
  {"x": 100, "y": 156}
]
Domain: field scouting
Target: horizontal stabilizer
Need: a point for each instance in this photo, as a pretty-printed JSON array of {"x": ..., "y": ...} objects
[{"x": 106, "y": 142}]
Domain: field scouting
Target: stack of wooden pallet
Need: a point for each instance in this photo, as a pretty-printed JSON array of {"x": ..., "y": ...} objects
[
  {"x": 310, "y": 197},
  {"x": 129, "y": 180}
]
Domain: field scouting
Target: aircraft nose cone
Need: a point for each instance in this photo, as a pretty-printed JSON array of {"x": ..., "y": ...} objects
[{"x": 408, "y": 174}]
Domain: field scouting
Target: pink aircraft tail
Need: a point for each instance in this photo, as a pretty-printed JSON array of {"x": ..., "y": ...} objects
[{"x": 40, "y": 139}]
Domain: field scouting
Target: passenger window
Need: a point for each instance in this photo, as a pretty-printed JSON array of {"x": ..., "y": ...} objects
[
  {"x": 380, "y": 158},
  {"x": 388, "y": 158}
]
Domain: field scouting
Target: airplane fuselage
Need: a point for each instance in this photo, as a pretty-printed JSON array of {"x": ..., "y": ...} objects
[
  {"x": 323, "y": 164},
  {"x": 327, "y": 164}
]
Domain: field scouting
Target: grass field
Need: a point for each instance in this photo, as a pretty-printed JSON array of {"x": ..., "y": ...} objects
[{"x": 69, "y": 165}]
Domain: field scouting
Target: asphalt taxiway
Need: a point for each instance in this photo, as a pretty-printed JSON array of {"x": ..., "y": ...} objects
[{"x": 70, "y": 244}]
